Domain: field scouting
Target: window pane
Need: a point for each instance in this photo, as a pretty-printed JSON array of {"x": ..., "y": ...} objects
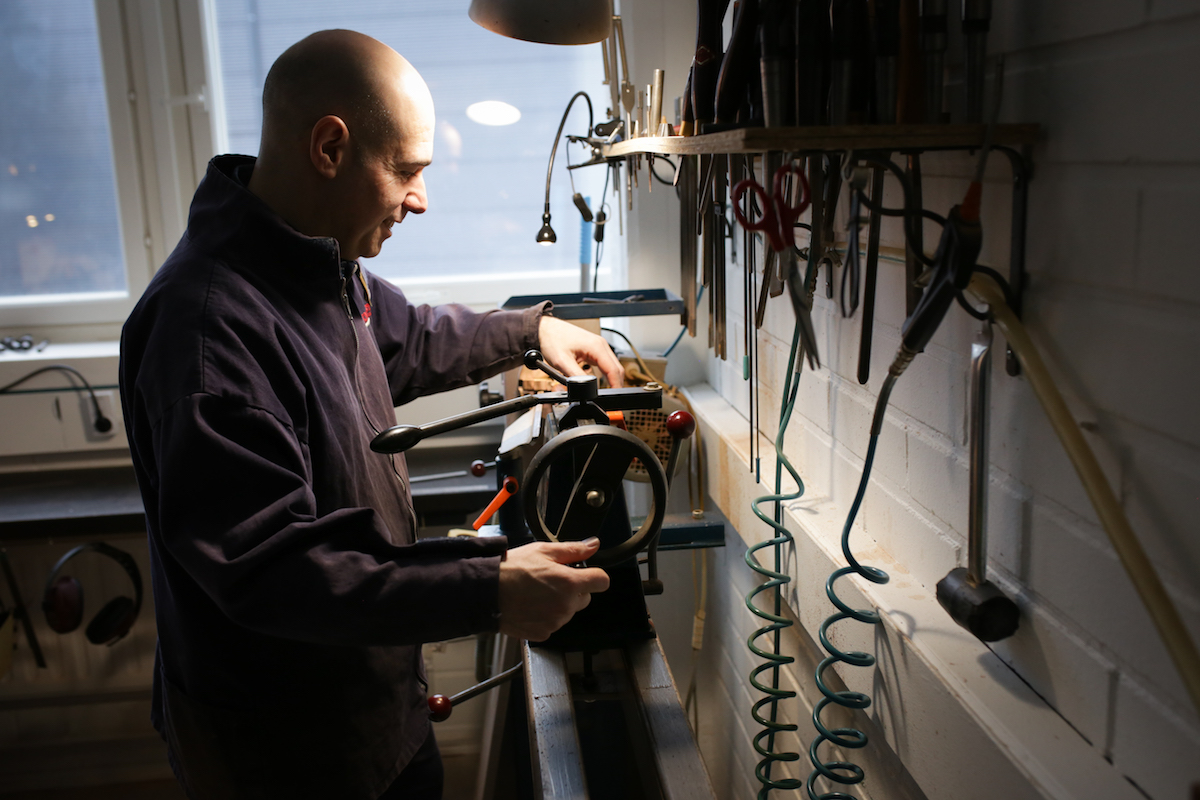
[
  {"x": 486, "y": 184},
  {"x": 59, "y": 225}
]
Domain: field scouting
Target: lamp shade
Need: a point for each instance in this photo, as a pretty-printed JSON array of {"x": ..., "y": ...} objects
[{"x": 546, "y": 21}]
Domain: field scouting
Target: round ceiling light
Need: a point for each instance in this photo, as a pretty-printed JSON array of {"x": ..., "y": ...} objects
[{"x": 493, "y": 112}]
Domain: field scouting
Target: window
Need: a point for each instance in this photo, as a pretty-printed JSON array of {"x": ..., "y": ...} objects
[
  {"x": 487, "y": 183},
  {"x": 113, "y": 108},
  {"x": 60, "y": 228}
]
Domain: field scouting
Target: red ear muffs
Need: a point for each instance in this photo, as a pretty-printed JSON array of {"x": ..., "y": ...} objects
[
  {"x": 113, "y": 621},
  {"x": 63, "y": 604},
  {"x": 63, "y": 599}
]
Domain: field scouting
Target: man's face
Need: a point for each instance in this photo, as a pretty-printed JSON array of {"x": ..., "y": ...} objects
[{"x": 383, "y": 185}]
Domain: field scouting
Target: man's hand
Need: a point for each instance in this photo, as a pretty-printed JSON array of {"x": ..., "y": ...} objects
[
  {"x": 564, "y": 345},
  {"x": 539, "y": 593}
]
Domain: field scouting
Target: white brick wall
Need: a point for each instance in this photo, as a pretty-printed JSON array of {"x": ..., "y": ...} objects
[{"x": 1114, "y": 305}]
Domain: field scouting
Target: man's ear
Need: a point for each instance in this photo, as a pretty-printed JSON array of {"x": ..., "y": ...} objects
[{"x": 329, "y": 145}]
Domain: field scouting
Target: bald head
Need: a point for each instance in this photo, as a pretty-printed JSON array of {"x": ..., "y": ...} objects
[{"x": 346, "y": 74}]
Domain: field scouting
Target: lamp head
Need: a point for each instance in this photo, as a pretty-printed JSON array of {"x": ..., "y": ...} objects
[
  {"x": 546, "y": 21},
  {"x": 546, "y": 234}
]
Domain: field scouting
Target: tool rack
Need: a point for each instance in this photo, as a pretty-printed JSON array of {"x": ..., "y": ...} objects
[{"x": 909, "y": 141}]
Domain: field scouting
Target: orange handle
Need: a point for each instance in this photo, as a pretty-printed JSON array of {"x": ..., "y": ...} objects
[{"x": 507, "y": 490}]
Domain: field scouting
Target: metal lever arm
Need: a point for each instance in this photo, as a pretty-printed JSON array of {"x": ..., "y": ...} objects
[{"x": 399, "y": 438}]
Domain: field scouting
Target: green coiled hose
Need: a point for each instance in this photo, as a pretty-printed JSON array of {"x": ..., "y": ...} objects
[{"x": 776, "y": 580}]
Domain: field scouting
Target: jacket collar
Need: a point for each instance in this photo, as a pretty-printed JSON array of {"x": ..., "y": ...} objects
[{"x": 227, "y": 218}]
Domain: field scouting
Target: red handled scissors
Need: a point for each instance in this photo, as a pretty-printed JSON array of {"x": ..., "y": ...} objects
[{"x": 777, "y": 219}]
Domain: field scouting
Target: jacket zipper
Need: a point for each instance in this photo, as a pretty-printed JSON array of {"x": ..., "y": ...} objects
[{"x": 354, "y": 373}]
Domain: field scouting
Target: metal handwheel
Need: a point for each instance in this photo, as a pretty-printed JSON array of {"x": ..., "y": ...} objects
[{"x": 598, "y": 457}]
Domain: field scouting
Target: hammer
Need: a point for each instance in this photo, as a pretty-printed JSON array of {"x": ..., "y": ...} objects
[{"x": 968, "y": 596}]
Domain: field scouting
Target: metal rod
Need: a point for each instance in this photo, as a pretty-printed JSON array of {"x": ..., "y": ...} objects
[
  {"x": 480, "y": 688},
  {"x": 981, "y": 352},
  {"x": 20, "y": 612},
  {"x": 1016, "y": 243},
  {"x": 868, "y": 310}
]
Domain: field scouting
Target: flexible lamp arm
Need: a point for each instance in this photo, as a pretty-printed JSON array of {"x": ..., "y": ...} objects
[{"x": 554, "y": 149}]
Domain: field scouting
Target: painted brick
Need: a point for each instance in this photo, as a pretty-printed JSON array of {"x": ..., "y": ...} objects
[
  {"x": 1167, "y": 244},
  {"x": 1083, "y": 92},
  {"x": 933, "y": 390},
  {"x": 1154, "y": 743},
  {"x": 1167, "y": 9},
  {"x": 911, "y": 538},
  {"x": 1025, "y": 446},
  {"x": 1071, "y": 675},
  {"x": 1007, "y": 522},
  {"x": 1084, "y": 582},
  {"x": 939, "y": 478},
  {"x": 1163, "y": 504},
  {"x": 1101, "y": 340},
  {"x": 1020, "y": 27},
  {"x": 1062, "y": 242},
  {"x": 852, "y": 412}
]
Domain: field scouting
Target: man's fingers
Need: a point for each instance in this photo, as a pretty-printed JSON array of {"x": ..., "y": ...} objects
[
  {"x": 594, "y": 579},
  {"x": 571, "y": 552}
]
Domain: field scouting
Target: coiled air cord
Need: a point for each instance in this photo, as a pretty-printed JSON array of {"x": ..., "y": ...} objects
[
  {"x": 776, "y": 579},
  {"x": 845, "y": 772}
]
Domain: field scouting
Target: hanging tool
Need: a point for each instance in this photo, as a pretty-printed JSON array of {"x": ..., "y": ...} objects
[
  {"x": 851, "y": 75},
  {"x": 872, "y": 274},
  {"x": 720, "y": 226},
  {"x": 914, "y": 245},
  {"x": 20, "y": 612},
  {"x": 777, "y": 58},
  {"x": 706, "y": 63},
  {"x": 812, "y": 62},
  {"x": 776, "y": 223},
  {"x": 934, "y": 36},
  {"x": 686, "y": 182},
  {"x": 968, "y": 596},
  {"x": 737, "y": 173},
  {"x": 656, "y": 104},
  {"x": 739, "y": 66},
  {"x": 910, "y": 79},
  {"x": 852, "y": 274},
  {"x": 886, "y": 36},
  {"x": 976, "y": 19},
  {"x": 828, "y": 252}
]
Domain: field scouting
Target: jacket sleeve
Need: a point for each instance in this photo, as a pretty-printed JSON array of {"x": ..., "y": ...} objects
[
  {"x": 430, "y": 349},
  {"x": 238, "y": 515}
]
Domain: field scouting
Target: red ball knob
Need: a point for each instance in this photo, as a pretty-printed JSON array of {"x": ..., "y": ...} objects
[
  {"x": 681, "y": 424},
  {"x": 439, "y": 708},
  {"x": 478, "y": 468}
]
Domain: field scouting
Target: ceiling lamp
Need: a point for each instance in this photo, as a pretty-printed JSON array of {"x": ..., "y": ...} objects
[{"x": 546, "y": 21}]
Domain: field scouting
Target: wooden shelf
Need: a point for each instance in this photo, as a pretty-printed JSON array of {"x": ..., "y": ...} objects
[{"x": 841, "y": 137}]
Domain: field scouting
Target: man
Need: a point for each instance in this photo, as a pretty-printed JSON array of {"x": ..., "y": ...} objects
[{"x": 291, "y": 593}]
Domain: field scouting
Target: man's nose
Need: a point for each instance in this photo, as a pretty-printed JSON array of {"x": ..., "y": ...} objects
[{"x": 416, "y": 201}]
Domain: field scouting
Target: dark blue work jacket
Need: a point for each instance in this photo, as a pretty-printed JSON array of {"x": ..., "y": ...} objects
[{"x": 291, "y": 594}]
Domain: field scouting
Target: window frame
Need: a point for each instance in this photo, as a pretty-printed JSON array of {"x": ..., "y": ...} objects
[{"x": 162, "y": 78}]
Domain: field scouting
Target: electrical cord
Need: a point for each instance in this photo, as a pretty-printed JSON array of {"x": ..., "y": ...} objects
[
  {"x": 912, "y": 217},
  {"x": 101, "y": 423},
  {"x": 601, "y": 217},
  {"x": 658, "y": 177},
  {"x": 683, "y": 329}
]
